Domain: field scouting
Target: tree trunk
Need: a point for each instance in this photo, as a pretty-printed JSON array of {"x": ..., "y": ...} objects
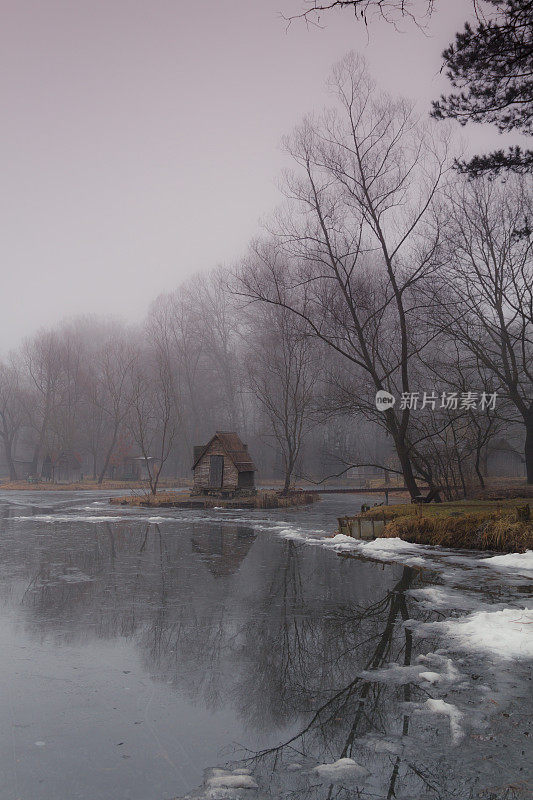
[
  {"x": 35, "y": 460},
  {"x": 529, "y": 444},
  {"x": 478, "y": 471},
  {"x": 289, "y": 469},
  {"x": 8, "y": 449},
  {"x": 108, "y": 457},
  {"x": 407, "y": 470},
  {"x": 152, "y": 478}
]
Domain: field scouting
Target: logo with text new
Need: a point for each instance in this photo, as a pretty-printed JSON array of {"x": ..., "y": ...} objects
[{"x": 384, "y": 400}]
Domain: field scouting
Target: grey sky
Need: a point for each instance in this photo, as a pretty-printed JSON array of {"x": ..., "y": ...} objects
[{"x": 140, "y": 138}]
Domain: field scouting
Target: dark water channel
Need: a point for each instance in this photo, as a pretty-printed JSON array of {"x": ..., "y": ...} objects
[{"x": 202, "y": 654}]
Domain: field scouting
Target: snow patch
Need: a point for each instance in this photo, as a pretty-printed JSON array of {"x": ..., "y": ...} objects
[
  {"x": 505, "y": 633},
  {"x": 395, "y": 545},
  {"x": 448, "y": 669},
  {"x": 225, "y": 784},
  {"x": 342, "y": 770},
  {"x": 431, "y": 677},
  {"x": 399, "y": 675},
  {"x": 438, "y": 706},
  {"x": 226, "y": 779},
  {"x": 521, "y": 561}
]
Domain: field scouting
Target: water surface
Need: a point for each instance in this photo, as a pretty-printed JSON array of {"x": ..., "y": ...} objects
[{"x": 218, "y": 655}]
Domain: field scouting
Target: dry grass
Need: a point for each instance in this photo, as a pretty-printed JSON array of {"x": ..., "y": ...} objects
[
  {"x": 268, "y": 499},
  {"x": 263, "y": 499},
  {"x": 85, "y": 485},
  {"x": 143, "y": 498},
  {"x": 471, "y": 524}
]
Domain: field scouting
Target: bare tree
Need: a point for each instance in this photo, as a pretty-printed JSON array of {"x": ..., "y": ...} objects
[
  {"x": 154, "y": 419},
  {"x": 283, "y": 375},
  {"x": 12, "y": 413},
  {"x": 42, "y": 358},
  {"x": 115, "y": 370},
  {"x": 487, "y": 293},
  {"x": 214, "y": 303},
  {"x": 354, "y": 242},
  {"x": 390, "y": 10}
]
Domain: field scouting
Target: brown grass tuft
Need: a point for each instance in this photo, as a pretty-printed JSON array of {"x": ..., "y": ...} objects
[{"x": 483, "y": 531}]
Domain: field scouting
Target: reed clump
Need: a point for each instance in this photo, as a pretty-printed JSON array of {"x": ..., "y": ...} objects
[{"x": 499, "y": 529}]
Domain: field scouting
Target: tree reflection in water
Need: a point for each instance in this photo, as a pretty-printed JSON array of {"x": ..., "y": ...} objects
[{"x": 311, "y": 649}]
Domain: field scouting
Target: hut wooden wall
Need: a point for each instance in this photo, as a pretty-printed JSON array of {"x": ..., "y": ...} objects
[{"x": 201, "y": 473}]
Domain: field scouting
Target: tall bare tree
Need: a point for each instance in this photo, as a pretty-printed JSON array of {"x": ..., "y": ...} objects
[
  {"x": 115, "y": 371},
  {"x": 155, "y": 418},
  {"x": 12, "y": 413},
  {"x": 487, "y": 292},
  {"x": 42, "y": 358},
  {"x": 354, "y": 241},
  {"x": 283, "y": 376}
]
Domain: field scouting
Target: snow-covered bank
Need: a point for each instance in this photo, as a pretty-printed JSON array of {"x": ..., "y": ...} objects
[
  {"x": 395, "y": 549},
  {"x": 504, "y": 632}
]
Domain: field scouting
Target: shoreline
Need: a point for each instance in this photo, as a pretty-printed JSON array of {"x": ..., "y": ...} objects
[
  {"x": 263, "y": 499},
  {"x": 504, "y": 525}
]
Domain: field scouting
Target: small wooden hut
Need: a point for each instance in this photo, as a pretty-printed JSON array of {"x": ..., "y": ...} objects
[
  {"x": 63, "y": 467},
  {"x": 223, "y": 466}
]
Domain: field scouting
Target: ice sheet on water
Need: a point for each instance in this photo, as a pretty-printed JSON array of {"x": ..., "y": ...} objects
[
  {"x": 500, "y": 631},
  {"x": 399, "y": 675},
  {"x": 438, "y": 597},
  {"x": 513, "y": 565},
  {"x": 381, "y": 745},
  {"x": 67, "y": 518}
]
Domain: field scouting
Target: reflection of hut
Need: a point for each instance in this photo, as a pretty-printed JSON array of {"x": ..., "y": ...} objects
[
  {"x": 504, "y": 461},
  {"x": 223, "y": 465},
  {"x": 223, "y": 548}
]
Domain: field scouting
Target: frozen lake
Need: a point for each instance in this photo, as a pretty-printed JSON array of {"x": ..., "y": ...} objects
[{"x": 235, "y": 654}]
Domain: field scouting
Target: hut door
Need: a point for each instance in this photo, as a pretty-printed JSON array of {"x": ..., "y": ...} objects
[{"x": 216, "y": 472}]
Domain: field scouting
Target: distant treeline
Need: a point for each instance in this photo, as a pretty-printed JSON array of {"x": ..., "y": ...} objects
[{"x": 383, "y": 271}]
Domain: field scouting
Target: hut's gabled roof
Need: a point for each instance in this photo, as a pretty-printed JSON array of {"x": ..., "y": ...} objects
[
  {"x": 66, "y": 458},
  {"x": 234, "y": 449}
]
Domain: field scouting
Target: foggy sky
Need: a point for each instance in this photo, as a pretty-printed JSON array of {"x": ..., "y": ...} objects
[{"x": 140, "y": 138}]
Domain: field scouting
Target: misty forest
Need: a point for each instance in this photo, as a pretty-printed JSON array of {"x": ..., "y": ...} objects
[
  {"x": 268, "y": 536},
  {"x": 383, "y": 269}
]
